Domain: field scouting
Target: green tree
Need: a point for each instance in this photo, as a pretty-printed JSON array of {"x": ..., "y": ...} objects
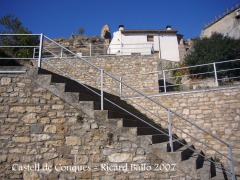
[
  {"x": 81, "y": 31},
  {"x": 10, "y": 24},
  {"x": 216, "y": 48}
]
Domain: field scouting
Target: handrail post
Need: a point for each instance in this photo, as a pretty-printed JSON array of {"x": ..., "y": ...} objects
[
  {"x": 170, "y": 129},
  {"x": 61, "y": 52},
  {"x": 102, "y": 71},
  {"x": 231, "y": 161},
  {"x": 120, "y": 87},
  {"x": 34, "y": 52},
  {"x": 215, "y": 73},
  {"x": 40, "y": 51},
  {"x": 90, "y": 49},
  {"x": 164, "y": 81}
]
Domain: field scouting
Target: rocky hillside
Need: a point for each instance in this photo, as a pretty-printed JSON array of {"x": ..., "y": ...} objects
[{"x": 85, "y": 44}]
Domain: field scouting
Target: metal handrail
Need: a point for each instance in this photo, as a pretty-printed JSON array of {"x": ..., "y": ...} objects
[
  {"x": 72, "y": 53},
  {"x": 141, "y": 118},
  {"x": 187, "y": 67},
  {"x": 20, "y": 34},
  {"x": 117, "y": 79},
  {"x": 102, "y": 72},
  {"x": 229, "y": 10}
]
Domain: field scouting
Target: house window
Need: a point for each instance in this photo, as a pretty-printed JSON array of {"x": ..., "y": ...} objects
[{"x": 149, "y": 38}]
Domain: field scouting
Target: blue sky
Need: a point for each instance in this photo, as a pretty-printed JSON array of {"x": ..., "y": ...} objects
[{"x": 61, "y": 18}]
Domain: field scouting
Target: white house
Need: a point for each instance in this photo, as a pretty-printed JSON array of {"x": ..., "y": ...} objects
[{"x": 164, "y": 43}]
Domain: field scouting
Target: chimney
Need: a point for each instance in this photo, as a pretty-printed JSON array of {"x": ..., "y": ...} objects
[
  {"x": 121, "y": 27},
  {"x": 168, "y": 27}
]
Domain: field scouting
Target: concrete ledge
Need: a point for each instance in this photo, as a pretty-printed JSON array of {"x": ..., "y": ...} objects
[{"x": 13, "y": 69}]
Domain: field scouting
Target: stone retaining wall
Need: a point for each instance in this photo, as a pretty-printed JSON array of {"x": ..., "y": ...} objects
[
  {"x": 217, "y": 111},
  {"x": 132, "y": 69},
  {"x": 43, "y": 137}
]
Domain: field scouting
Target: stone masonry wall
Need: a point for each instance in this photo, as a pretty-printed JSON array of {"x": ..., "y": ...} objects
[
  {"x": 132, "y": 69},
  {"x": 218, "y": 112},
  {"x": 43, "y": 137}
]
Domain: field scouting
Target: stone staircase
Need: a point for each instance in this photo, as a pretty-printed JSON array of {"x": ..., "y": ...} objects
[{"x": 151, "y": 136}]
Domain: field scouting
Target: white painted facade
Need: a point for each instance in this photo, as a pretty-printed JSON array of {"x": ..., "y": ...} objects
[{"x": 145, "y": 42}]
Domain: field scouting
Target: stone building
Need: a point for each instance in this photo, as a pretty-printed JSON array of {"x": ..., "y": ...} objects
[{"x": 227, "y": 24}]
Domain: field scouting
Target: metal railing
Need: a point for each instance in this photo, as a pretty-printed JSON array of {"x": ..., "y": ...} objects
[
  {"x": 89, "y": 50},
  {"x": 202, "y": 76},
  {"x": 227, "y": 11},
  {"x": 107, "y": 82}
]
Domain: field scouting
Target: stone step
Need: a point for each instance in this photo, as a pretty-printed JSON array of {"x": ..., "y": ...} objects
[
  {"x": 109, "y": 106},
  {"x": 59, "y": 86},
  {"x": 190, "y": 167},
  {"x": 212, "y": 168},
  {"x": 208, "y": 166},
  {"x": 177, "y": 144},
  {"x": 166, "y": 145},
  {"x": 86, "y": 97},
  {"x": 86, "y": 106},
  {"x": 155, "y": 141},
  {"x": 73, "y": 86},
  {"x": 186, "y": 152},
  {"x": 148, "y": 131},
  {"x": 116, "y": 114},
  {"x": 221, "y": 173},
  {"x": 44, "y": 79},
  {"x": 72, "y": 97},
  {"x": 134, "y": 123},
  {"x": 161, "y": 138}
]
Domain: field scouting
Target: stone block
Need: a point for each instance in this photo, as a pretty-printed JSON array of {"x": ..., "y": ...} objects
[
  {"x": 17, "y": 151},
  {"x": 54, "y": 143},
  {"x": 5, "y": 81},
  {"x": 98, "y": 158},
  {"x": 61, "y": 129},
  {"x": 94, "y": 126},
  {"x": 197, "y": 111},
  {"x": 185, "y": 111},
  {"x": 86, "y": 126},
  {"x": 30, "y": 118},
  {"x": 47, "y": 96},
  {"x": 84, "y": 175},
  {"x": 139, "y": 158},
  {"x": 49, "y": 156},
  {"x": 11, "y": 120},
  {"x": 13, "y": 158},
  {"x": 30, "y": 175},
  {"x": 50, "y": 129},
  {"x": 120, "y": 157},
  {"x": 45, "y": 120},
  {"x": 21, "y": 139},
  {"x": 7, "y": 129},
  {"x": 32, "y": 151},
  {"x": 67, "y": 176},
  {"x": 73, "y": 140},
  {"x": 27, "y": 159},
  {"x": 17, "y": 109},
  {"x": 58, "y": 107},
  {"x": 63, "y": 161},
  {"x": 3, "y": 158},
  {"x": 39, "y": 137},
  {"x": 81, "y": 160},
  {"x": 58, "y": 121},
  {"x": 37, "y": 128}
]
